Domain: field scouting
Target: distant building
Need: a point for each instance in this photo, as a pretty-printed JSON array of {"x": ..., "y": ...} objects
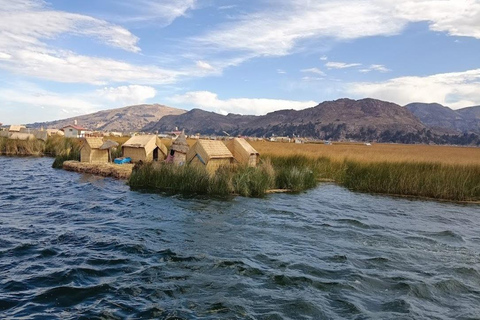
[
  {"x": 74, "y": 131},
  {"x": 53, "y": 132},
  {"x": 16, "y": 128}
]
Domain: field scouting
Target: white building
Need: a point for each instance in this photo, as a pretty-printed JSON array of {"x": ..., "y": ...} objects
[{"x": 74, "y": 131}]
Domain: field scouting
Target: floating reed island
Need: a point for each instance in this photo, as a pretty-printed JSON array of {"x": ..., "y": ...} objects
[{"x": 234, "y": 167}]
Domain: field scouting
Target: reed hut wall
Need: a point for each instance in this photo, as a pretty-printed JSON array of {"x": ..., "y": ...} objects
[
  {"x": 210, "y": 153},
  {"x": 136, "y": 154},
  {"x": 91, "y": 153},
  {"x": 243, "y": 152}
]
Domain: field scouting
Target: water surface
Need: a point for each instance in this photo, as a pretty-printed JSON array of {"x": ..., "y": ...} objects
[{"x": 80, "y": 246}]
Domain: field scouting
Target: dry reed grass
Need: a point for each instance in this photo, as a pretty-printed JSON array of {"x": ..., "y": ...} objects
[{"x": 375, "y": 153}]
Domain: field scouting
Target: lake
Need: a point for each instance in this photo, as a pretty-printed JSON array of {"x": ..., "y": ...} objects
[{"x": 80, "y": 246}]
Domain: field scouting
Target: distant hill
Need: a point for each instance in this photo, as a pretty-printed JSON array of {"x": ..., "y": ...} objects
[
  {"x": 126, "y": 119},
  {"x": 440, "y": 117},
  {"x": 341, "y": 119}
]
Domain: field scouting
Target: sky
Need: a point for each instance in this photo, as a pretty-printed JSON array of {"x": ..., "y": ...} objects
[{"x": 61, "y": 59}]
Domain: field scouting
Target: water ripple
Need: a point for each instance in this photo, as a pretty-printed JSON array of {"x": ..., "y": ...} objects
[{"x": 84, "y": 247}]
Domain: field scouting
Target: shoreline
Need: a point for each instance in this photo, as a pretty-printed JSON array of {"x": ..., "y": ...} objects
[{"x": 121, "y": 172}]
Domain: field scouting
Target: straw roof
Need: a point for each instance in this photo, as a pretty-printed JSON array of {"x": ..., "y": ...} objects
[
  {"x": 108, "y": 145},
  {"x": 147, "y": 142},
  {"x": 209, "y": 149},
  {"x": 180, "y": 144},
  {"x": 246, "y": 146},
  {"x": 139, "y": 141},
  {"x": 94, "y": 142},
  {"x": 22, "y": 136},
  {"x": 16, "y": 128}
]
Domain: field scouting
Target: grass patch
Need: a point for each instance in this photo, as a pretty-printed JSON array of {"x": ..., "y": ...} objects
[
  {"x": 21, "y": 147},
  {"x": 430, "y": 180}
]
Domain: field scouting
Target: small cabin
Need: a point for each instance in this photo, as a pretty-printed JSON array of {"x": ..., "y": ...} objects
[
  {"x": 90, "y": 151},
  {"x": 179, "y": 150},
  {"x": 210, "y": 153},
  {"x": 144, "y": 148},
  {"x": 243, "y": 152}
]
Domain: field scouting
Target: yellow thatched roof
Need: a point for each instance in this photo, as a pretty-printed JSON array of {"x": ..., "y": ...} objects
[
  {"x": 147, "y": 142},
  {"x": 94, "y": 142},
  {"x": 209, "y": 149},
  {"x": 246, "y": 146},
  {"x": 180, "y": 144},
  {"x": 16, "y": 128},
  {"x": 22, "y": 136}
]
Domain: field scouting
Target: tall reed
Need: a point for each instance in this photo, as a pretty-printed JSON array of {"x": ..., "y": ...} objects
[
  {"x": 431, "y": 180},
  {"x": 32, "y": 147}
]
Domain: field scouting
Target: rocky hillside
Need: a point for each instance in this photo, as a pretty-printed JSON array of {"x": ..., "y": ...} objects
[
  {"x": 440, "y": 117},
  {"x": 127, "y": 119},
  {"x": 341, "y": 119}
]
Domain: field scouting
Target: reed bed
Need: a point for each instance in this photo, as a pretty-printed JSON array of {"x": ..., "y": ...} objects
[
  {"x": 429, "y": 180},
  {"x": 375, "y": 153},
  {"x": 21, "y": 147},
  {"x": 227, "y": 180}
]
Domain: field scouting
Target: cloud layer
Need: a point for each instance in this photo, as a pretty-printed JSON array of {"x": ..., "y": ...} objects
[
  {"x": 456, "y": 89},
  {"x": 210, "y": 101}
]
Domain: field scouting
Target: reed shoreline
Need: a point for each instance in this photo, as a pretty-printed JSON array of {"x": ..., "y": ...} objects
[{"x": 287, "y": 171}]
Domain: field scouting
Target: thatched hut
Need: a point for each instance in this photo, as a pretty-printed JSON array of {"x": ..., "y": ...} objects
[
  {"x": 144, "y": 148},
  {"x": 179, "y": 150},
  {"x": 109, "y": 145},
  {"x": 210, "y": 153},
  {"x": 90, "y": 151},
  {"x": 243, "y": 152},
  {"x": 16, "y": 128},
  {"x": 21, "y": 136}
]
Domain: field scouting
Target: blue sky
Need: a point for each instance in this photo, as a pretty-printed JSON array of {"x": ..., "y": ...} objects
[{"x": 61, "y": 59}]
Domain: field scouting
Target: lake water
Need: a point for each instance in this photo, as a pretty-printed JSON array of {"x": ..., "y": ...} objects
[{"x": 79, "y": 246}]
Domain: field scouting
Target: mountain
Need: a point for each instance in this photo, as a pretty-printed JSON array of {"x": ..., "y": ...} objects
[
  {"x": 197, "y": 120},
  {"x": 440, "y": 117},
  {"x": 126, "y": 119},
  {"x": 366, "y": 119}
]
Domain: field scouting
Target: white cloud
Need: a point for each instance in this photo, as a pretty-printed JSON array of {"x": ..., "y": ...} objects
[
  {"x": 341, "y": 65},
  {"x": 210, "y": 101},
  {"x": 162, "y": 12},
  {"x": 127, "y": 95},
  {"x": 44, "y": 105},
  {"x": 456, "y": 89},
  {"x": 323, "y": 58},
  {"x": 313, "y": 70},
  {"x": 204, "y": 66},
  {"x": 279, "y": 30},
  {"x": 375, "y": 67},
  {"x": 27, "y": 22},
  {"x": 281, "y": 71}
]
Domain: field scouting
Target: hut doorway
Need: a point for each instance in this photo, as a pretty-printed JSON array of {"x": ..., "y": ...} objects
[{"x": 155, "y": 154}]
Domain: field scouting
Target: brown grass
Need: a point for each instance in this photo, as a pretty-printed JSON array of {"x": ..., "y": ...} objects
[{"x": 375, "y": 153}]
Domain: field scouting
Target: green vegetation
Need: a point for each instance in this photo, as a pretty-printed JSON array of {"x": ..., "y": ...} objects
[
  {"x": 297, "y": 173},
  {"x": 430, "y": 180},
  {"x": 229, "y": 180}
]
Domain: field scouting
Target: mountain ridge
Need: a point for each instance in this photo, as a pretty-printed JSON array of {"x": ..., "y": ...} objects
[{"x": 125, "y": 119}]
